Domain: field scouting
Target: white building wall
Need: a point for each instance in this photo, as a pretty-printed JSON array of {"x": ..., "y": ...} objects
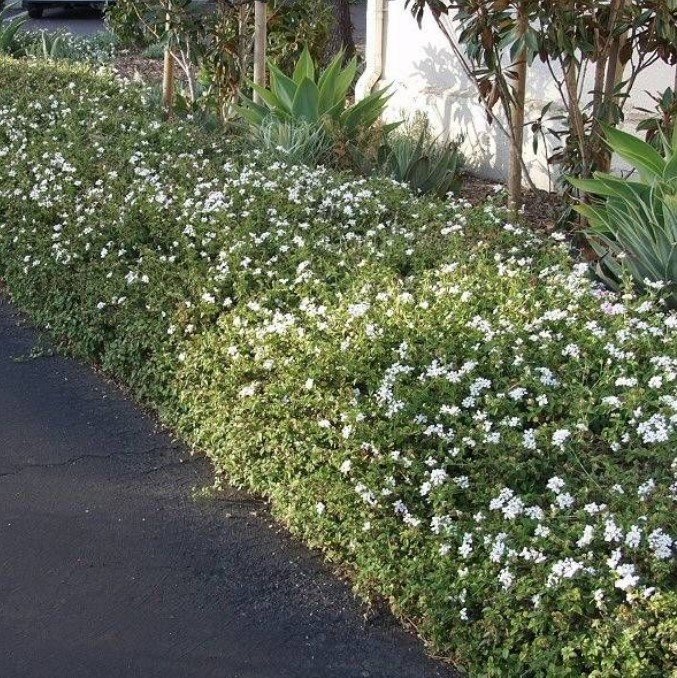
[{"x": 426, "y": 77}]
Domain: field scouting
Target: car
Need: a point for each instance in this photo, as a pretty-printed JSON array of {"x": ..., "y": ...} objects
[{"x": 35, "y": 8}]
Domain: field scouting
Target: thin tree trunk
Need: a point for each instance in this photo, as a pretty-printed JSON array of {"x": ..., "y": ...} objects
[
  {"x": 168, "y": 73},
  {"x": 242, "y": 51},
  {"x": 575, "y": 115},
  {"x": 598, "y": 87},
  {"x": 516, "y": 148},
  {"x": 342, "y": 30},
  {"x": 614, "y": 75},
  {"x": 260, "y": 27}
]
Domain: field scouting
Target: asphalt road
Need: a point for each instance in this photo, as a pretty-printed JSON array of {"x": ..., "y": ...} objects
[
  {"x": 111, "y": 566},
  {"x": 82, "y": 21}
]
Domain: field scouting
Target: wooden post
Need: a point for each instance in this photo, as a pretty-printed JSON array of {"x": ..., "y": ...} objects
[
  {"x": 259, "y": 46},
  {"x": 168, "y": 71}
]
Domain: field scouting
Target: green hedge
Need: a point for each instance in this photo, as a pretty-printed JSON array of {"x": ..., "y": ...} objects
[{"x": 441, "y": 400}]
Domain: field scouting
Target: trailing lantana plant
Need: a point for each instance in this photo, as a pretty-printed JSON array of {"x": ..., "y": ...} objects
[{"x": 436, "y": 396}]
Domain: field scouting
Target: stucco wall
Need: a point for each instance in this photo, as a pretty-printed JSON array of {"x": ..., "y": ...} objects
[{"x": 425, "y": 76}]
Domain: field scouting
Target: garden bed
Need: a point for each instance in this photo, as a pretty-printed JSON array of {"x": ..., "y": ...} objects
[{"x": 441, "y": 400}]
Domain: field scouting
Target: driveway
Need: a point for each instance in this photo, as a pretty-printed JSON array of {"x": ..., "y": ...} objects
[{"x": 116, "y": 562}]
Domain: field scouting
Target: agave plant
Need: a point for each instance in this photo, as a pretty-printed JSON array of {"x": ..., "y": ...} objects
[
  {"x": 9, "y": 32},
  {"x": 315, "y": 97},
  {"x": 425, "y": 164},
  {"x": 633, "y": 222}
]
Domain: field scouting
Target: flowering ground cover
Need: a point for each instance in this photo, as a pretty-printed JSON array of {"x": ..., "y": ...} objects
[{"x": 441, "y": 400}]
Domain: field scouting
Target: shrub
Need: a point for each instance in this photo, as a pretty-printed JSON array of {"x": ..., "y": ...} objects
[
  {"x": 100, "y": 48},
  {"x": 427, "y": 165},
  {"x": 440, "y": 399},
  {"x": 634, "y": 229},
  {"x": 314, "y": 97}
]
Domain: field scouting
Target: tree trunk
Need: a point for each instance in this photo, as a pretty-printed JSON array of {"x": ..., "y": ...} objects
[
  {"x": 260, "y": 37},
  {"x": 342, "y": 30},
  {"x": 574, "y": 109},
  {"x": 517, "y": 131},
  {"x": 168, "y": 73},
  {"x": 614, "y": 76}
]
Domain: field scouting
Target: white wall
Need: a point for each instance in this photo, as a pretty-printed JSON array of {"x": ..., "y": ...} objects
[{"x": 425, "y": 76}]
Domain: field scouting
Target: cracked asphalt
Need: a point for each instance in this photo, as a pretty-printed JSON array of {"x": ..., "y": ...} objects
[{"x": 111, "y": 564}]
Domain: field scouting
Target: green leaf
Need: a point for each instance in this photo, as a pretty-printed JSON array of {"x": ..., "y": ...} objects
[
  {"x": 251, "y": 112},
  {"x": 345, "y": 79},
  {"x": 642, "y": 156},
  {"x": 267, "y": 95},
  {"x": 365, "y": 112},
  {"x": 306, "y": 101},
  {"x": 305, "y": 68},
  {"x": 328, "y": 85},
  {"x": 283, "y": 87}
]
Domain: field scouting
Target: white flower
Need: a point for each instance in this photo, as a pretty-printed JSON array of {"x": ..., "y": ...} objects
[
  {"x": 320, "y": 508},
  {"x": 633, "y": 537},
  {"x": 661, "y": 544},
  {"x": 559, "y": 437},
  {"x": 593, "y": 508},
  {"x": 438, "y": 477},
  {"x": 529, "y": 439},
  {"x": 587, "y": 537},
  {"x": 498, "y": 548},
  {"x": 563, "y": 569},
  {"x": 248, "y": 391},
  {"x": 542, "y": 531},
  {"x": 645, "y": 489},
  {"x": 571, "y": 351},
  {"x": 358, "y": 310},
  {"x": 564, "y": 500},
  {"x": 465, "y": 549},
  {"x": 612, "y": 533},
  {"x": 506, "y": 578},
  {"x": 517, "y": 393},
  {"x": 345, "y": 467},
  {"x": 627, "y": 579},
  {"x": 656, "y": 429},
  {"x": 462, "y": 481},
  {"x": 555, "y": 484}
]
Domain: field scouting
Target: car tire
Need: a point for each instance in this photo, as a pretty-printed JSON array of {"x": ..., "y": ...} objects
[{"x": 34, "y": 11}]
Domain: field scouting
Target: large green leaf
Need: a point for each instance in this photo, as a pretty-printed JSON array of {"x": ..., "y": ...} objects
[
  {"x": 327, "y": 85},
  {"x": 305, "y": 68},
  {"x": 345, "y": 79},
  {"x": 268, "y": 96},
  {"x": 251, "y": 112},
  {"x": 305, "y": 105},
  {"x": 283, "y": 87},
  {"x": 606, "y": 185},
  {"x": 642, "y": 156}
]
